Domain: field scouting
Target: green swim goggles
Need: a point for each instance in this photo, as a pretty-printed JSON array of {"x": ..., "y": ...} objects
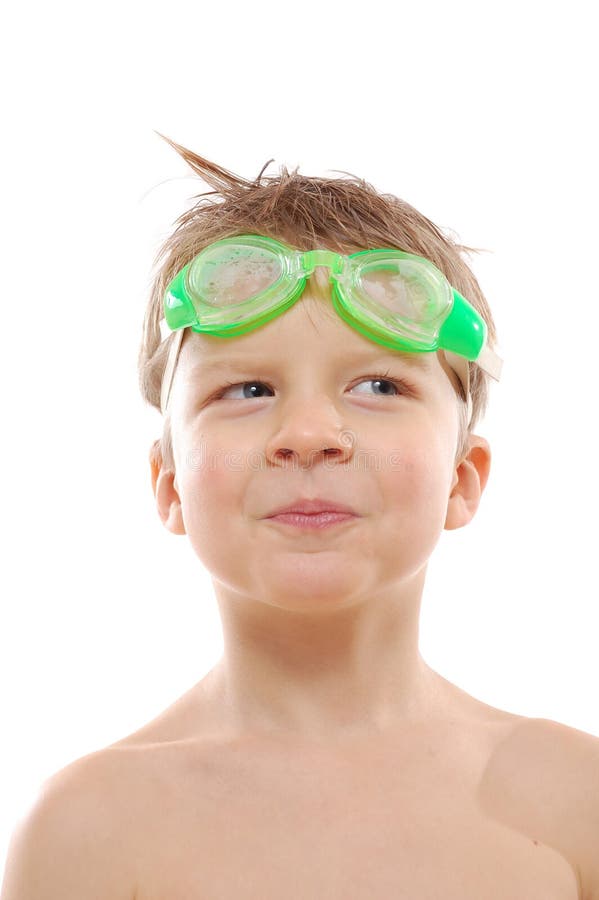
[{"x": 394, "y": 298}]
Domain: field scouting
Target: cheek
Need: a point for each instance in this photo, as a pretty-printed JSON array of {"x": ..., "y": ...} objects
[
  {"x": 416, "y": 483},
  {"x": 212, "y": 492},
  {"x": 209, "y": 484},
  {"x": 414, "y": 503}
]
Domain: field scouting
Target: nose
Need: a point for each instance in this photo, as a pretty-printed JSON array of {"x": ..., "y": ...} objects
[{"x": 310, "y": 433}]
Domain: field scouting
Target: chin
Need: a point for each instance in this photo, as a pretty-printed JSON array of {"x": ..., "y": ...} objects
[{"x": 304, "y": 587}]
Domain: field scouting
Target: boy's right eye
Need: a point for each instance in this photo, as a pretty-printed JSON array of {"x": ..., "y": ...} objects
[{"x": 227, "y": 389}]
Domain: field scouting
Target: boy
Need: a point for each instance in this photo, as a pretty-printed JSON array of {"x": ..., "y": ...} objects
[{"x": 317, "y": 439}]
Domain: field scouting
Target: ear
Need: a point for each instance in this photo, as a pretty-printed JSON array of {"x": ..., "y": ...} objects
[
  {"x": 469, "y": 480},
  {"x": 164, "y": 485}
]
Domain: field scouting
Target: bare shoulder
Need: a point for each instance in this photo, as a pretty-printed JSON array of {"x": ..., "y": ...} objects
[
  {"x": 542, "y": 779},
  {"x": 69, "y": 843}
]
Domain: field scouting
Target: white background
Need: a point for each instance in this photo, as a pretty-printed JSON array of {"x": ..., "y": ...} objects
[{"x": 483, "y": 117}]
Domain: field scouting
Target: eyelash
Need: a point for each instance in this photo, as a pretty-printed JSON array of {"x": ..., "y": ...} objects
[{"x": 402, "y": 386}]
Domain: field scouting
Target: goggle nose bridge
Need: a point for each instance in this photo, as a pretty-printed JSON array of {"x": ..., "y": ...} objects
[{"x": 313, "y": 258}]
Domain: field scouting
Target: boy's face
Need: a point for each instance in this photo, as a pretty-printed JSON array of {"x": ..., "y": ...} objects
[{"x": 238, "y": 456}]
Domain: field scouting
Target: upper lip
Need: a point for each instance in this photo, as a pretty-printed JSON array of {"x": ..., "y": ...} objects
[{"x": 312, "y": 507}]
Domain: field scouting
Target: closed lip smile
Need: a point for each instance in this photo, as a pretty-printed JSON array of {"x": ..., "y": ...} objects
[{"x": 312, "y": 507}]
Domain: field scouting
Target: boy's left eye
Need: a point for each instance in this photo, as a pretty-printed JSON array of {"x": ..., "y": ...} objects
[
  {"x": 397, "y": 387},
  {"x": 389, "y": 387}
]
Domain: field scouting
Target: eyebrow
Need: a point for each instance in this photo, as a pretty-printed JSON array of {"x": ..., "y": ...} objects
[{"x": 222, "y": 364}]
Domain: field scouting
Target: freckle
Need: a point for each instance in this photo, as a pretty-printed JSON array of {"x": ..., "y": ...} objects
[{"x": 535, "y": 842}]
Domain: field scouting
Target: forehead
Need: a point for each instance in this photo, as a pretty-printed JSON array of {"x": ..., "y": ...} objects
[{"x": 310, "y": 331}]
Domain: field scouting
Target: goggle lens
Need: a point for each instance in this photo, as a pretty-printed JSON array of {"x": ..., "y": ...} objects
[
  {"x": 225, "y": 275},
  {"x": 404, "y": 289}
]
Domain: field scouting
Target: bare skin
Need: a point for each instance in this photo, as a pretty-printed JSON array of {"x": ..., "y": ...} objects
[
  {"x": 454, "y": 806},
  {"x": 322, "y": 758},
  {"x": 333, "y": 762},
  {"x": 471, "y": 802}
]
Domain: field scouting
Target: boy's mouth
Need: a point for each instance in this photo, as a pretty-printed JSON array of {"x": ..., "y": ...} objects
[
  {"x": 314, "y": 513},
  {"x": 315, "y": 520},
  {"x": 314, "y": 507}
]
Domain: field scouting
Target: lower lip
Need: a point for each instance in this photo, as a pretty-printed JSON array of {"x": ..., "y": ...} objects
[{"x": 320, "y": 520}]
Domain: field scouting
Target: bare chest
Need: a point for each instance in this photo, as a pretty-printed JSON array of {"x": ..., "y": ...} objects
[{"x": 391, "y": 826}]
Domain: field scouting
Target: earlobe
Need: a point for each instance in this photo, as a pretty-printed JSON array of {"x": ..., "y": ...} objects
[
  {"x": 470, "y": 479},
  {"x": 165, "y": 491}
]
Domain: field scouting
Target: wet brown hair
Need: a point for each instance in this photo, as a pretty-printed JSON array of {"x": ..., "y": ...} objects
[{"x": 343, "y": 214}]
